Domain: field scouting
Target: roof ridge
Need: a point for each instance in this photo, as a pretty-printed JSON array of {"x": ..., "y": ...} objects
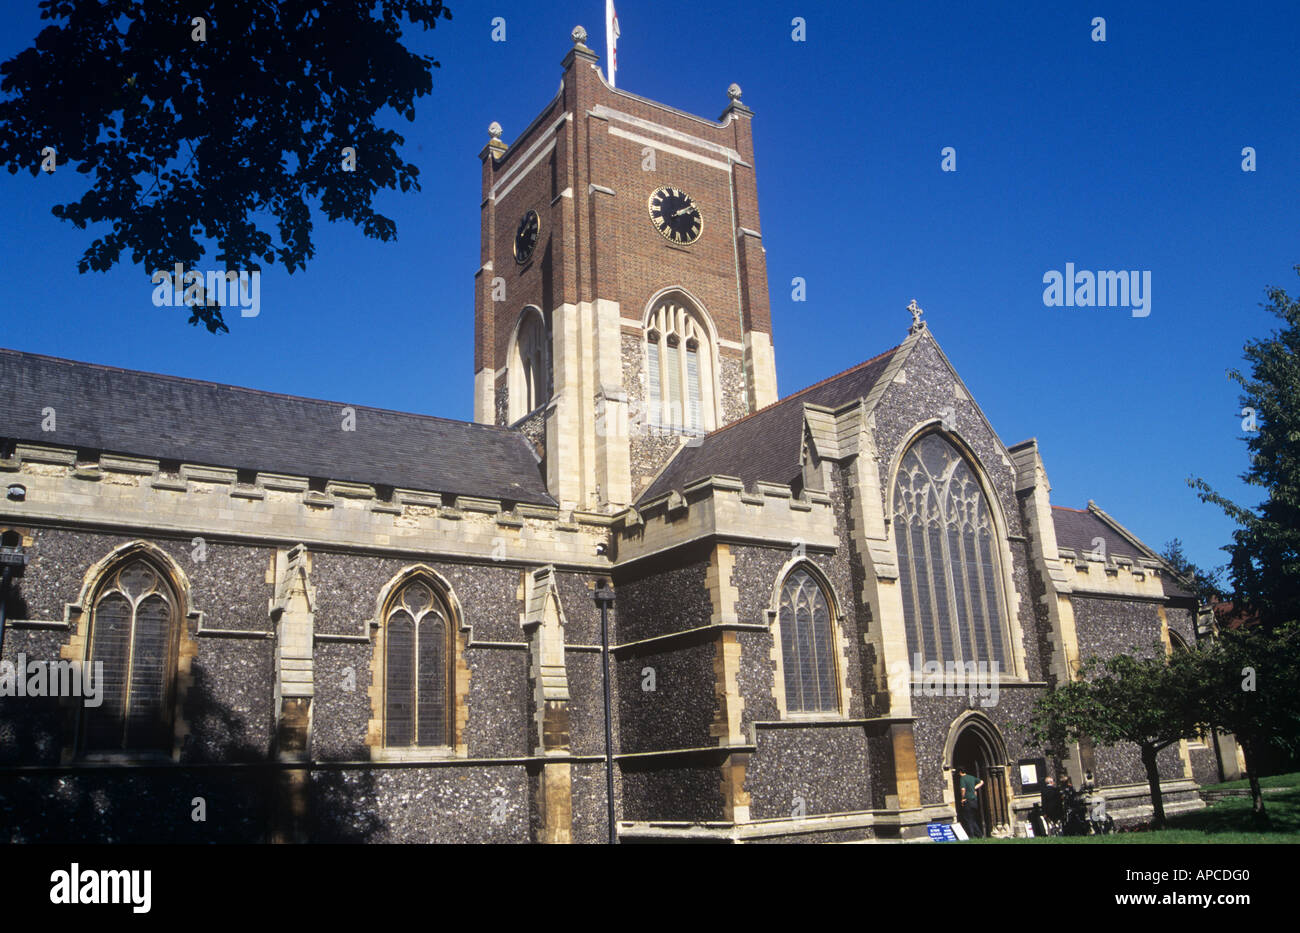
[
  {"x": 794, "y": 395},
  {"x": 167, "y": 377},
  {"x": 1066, "y": 508},
  {"x": 1108, "y": 519}
]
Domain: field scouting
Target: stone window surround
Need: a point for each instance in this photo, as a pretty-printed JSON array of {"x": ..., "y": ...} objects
[
  {"x": 525, "y": 348},
  {"x": 78, "y": 617},
  {"x": 838, "y": 650},
  {"x": 458, "y": 670},
  {"x": 656, "y": 329},
  {"x": 1018, "y": 672},
  {"x": 1176, "y": 642}
]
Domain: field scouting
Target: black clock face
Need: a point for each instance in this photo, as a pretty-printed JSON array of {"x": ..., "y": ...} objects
[
  {"x": 675, "y": 215},
  {"x": 526, "y": 237}
]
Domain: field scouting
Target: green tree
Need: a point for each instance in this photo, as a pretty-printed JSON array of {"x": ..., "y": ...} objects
[
  {"x": 1252, "y": 676},
  {"x": 206, "y": 132},
  {"x": 1265, "y": 551},
  {"x": 1151, "y": 702}
]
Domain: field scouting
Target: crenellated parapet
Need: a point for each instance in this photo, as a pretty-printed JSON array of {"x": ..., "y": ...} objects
[
  {"x": 721, "y": 507},
  {"x": 64, "y": 487},
  {"x": 1094, "y": 573}
]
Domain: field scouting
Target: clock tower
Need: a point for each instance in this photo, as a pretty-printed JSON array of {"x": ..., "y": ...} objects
[{"x": 621, "y": 305}]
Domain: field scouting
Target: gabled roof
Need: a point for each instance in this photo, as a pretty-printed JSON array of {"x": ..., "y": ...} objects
[
  {"x": 169, "y": 418},
  {"x": 766, "y": 445},
  {"x": 1077, "y": 528}
]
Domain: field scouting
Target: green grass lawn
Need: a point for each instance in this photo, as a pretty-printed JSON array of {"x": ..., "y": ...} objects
[
  {"x": 1227, "y": 821},
  {"x": 1276, "y": 780}
]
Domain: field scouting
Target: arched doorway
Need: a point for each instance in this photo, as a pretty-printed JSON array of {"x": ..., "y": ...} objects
[{"x": 975, "y": 744}]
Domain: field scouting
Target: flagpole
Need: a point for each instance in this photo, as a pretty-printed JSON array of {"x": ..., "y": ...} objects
[{"x": 611, "y": 40}]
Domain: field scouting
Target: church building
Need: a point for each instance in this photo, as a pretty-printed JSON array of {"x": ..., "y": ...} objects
[{"x": 319, "y": 622}]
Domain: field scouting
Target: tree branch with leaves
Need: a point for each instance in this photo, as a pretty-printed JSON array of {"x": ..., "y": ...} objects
[
  {"x": 1252, "y": 676},
  {"x": 1265, "y": 552},
  {"x": 227, "y": 134},
  {"x": 1151, "y": 702}
]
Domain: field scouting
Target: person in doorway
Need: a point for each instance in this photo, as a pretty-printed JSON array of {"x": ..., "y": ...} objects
[
  {"x": 1053, "y": 811},
  {"x": 970, "y": 804}
]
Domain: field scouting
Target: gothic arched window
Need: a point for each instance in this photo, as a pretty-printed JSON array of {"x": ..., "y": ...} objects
[
  {"x": 529, "y": 374},
  {"x": 807, "y": 645},
  {"x": 679, "y": 368},
  {"x": 948, "y": 558},
  {"x": 133, "y": 635},
  {"x": 417, "y": 667}
]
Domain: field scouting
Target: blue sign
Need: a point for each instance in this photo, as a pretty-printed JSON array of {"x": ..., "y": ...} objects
[{"x": 942, "y": 832}]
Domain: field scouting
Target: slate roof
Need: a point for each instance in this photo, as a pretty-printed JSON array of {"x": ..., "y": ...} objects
[
  {"x": 766, "y": 444},
  {"x": 1076, "y": 529},
  {"x": 1173, "y": 588},
  {"x": 168, "y": 418}
]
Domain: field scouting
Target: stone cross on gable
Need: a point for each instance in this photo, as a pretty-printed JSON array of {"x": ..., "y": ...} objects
[{"x": 917, "y": 323}]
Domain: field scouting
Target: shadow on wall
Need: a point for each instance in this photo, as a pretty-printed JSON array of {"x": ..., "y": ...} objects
[
  {"x": 15, "y": 605},
  {"x": 227, "y": 789}
]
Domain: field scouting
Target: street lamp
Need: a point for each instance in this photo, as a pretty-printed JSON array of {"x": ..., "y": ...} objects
[{"x": 605, "y": 598}]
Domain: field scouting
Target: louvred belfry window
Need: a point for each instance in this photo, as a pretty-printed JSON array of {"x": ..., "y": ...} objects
[
  {"x": 807, "y": 646},
  {"x": 133, "y": 636},
  {"x": 529, "y": 375},
  {"x": 948, "y": 558},
  {"x": 679, "y": 369},
  {"x": 416, "y": 667}
]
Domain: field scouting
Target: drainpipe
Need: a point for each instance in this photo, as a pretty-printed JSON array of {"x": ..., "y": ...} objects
[{"x": 604, "y": 598}]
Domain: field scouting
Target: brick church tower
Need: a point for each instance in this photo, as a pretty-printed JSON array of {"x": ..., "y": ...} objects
[{"x": 621, "y": 305}]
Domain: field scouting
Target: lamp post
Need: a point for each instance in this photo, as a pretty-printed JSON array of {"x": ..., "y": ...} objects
[
  {"x": 12, "y": 562},
  {"x": 604, "y": 599}
]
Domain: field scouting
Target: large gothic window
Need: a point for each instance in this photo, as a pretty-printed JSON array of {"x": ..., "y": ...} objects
[
  {"x": 679, "y": 368},
  {"x": 807, "y": 645},
  {"x": 417, "y": 668},
  {"x": 529, "y": 374},
  {"x": 133, "y": 636},
  {"x": 948, "y": 562}
]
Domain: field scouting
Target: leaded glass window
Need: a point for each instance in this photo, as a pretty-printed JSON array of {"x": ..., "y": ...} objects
[
  {"x": 948, "y": 558},
  {"x": 807, "y": 646},
  {"x": 132, "y": 635},
  {"x": 416, "y": 653}
]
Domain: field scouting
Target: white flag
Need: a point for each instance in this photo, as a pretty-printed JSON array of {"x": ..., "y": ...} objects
[{"x": 611, "y": 39}]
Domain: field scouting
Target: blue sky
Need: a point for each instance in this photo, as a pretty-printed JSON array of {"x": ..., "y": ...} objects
[{"x": 1117, "y": 155}]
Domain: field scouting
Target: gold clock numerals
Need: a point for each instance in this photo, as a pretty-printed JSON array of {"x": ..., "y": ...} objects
[{"x": 675, "y": 215}]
